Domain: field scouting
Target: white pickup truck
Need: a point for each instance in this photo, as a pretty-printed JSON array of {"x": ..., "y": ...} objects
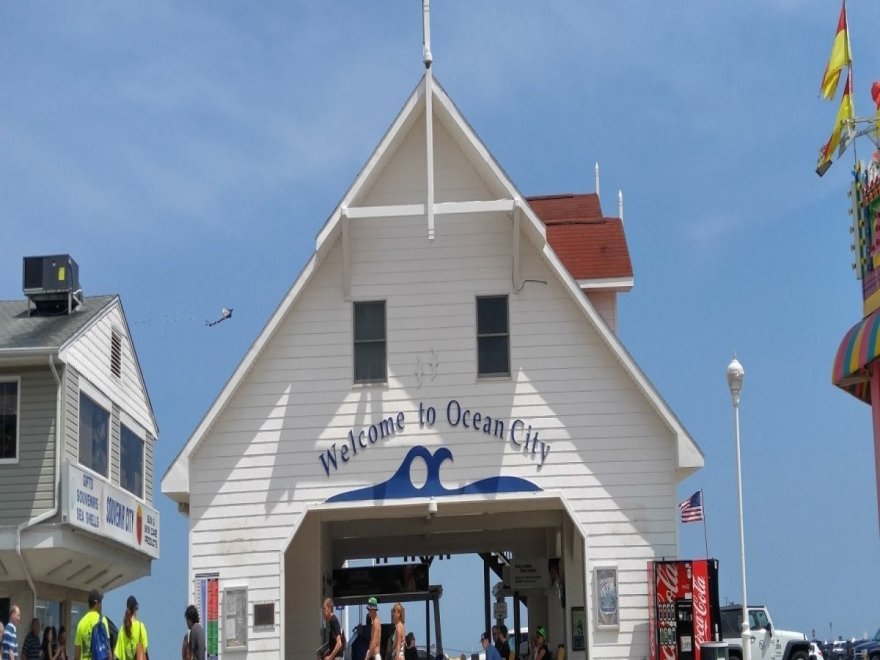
[{"x": 767, "y": 641}]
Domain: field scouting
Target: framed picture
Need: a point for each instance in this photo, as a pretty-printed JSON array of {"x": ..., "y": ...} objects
[
  {"x": 607, "y": 605},
  {"x": 578, "y": 629}
]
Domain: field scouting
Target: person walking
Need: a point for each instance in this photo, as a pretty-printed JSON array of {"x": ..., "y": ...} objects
[
  {"x": 541, "y": 652},
  {"x": 31, "y": 647},
  {"x": 82, "y": 642},
  {"x": 398, "y": 618},
  {"x": 334, "y": 632},
  {"x": 489, "y": 647},
  {"x": 9, "y": 646},
  {"x": 373, "y": 652},
  {"x": 50, "y": 648},
  {"x": 504, "y": 647},
  {"x": 132, "y": 642},
  {"x": 196, "y": 633},
  {"x": 62, "y": 643}
]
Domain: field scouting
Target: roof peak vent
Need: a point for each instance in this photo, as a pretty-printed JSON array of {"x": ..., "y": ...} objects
[{"x": 51, "y": 283}]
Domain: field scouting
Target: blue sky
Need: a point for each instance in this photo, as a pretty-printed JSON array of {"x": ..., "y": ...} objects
[{"x": 186, "y": 155}]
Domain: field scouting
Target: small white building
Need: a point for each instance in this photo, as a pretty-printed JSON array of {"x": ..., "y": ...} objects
[
  {"x": 443, "y": 377},
  {"x": 77, "y": 435}
]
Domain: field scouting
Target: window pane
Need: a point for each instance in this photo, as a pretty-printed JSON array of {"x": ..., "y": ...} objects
[
  {"x": 492, "y": 315},
  {"x": 493, "y": 356},
  {"x": 94, "y": 423},
  {"x": 369, "y": 362},
  {"x": 8, "y": 418},
  {"x": 131, "y": 462},
  {"x": 369, "y": 320}
]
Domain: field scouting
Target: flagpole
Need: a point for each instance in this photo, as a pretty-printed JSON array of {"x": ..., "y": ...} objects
[{"x": 705, "y": 533}]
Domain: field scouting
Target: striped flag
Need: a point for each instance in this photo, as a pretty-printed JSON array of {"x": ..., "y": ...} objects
[
  {"x": 692, "y": 508},
  {"x": 840, "y": 57}
]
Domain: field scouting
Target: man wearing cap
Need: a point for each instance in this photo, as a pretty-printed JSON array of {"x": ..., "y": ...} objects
[
  {"x": 491, "y": 651},
  {"x": 540, "y": 652},
  {"x": 82, "y": 643},
  {"x": 133, "y": 636},
  {"x": 375, "y": 630}
]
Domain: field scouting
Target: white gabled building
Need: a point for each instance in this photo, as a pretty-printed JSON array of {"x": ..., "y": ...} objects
[{"x": 443, "y": 377}]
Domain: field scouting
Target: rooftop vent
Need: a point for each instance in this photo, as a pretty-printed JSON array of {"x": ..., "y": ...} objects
[{"x": 51, "y": 283}]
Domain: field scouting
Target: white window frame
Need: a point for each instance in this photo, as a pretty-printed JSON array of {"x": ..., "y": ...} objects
[
  {"x": 138, "y": 431},
  {"x": 103, "y": 401},
  {"x": 17, "y": 381}
]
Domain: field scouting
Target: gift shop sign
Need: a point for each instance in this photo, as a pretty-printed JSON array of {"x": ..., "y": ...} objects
[{"x": 96, "y": 506}]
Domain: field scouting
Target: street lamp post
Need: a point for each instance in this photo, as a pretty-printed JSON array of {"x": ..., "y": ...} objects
[{"x": 735, "y": 374}]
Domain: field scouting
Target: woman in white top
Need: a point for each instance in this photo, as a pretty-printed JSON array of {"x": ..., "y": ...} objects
[{"x": 398, "y": 618}]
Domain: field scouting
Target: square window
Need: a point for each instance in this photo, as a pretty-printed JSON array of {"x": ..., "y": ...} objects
[
  {"x": 131, "y": 461},
  {"x": 369, "y": 342},
  {"x": 9, "y": 413},
  {"x": 94, "y": 435},
  {"x": 493, "y": 337}
]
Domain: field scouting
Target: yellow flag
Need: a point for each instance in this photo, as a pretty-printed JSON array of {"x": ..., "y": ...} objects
[
  {"x": 844, "y": 115},
  {"x": 840, "y": 57}
]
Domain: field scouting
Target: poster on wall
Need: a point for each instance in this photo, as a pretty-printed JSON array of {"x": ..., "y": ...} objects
[
  {"x": 607, "y": 610},
  {"x": 207, "y": 602},
  {"x": 235, "y": 631}
]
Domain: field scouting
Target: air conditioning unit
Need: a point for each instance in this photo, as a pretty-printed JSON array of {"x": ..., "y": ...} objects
[{"x": 51, "y": 283}]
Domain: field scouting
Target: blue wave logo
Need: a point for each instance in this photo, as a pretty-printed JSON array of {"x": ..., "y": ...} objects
[{"x": 400, "y": 485}]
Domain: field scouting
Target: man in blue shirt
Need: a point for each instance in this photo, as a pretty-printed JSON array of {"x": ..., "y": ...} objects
[
  {"x": 9, "y": 647},
  {"x": 491, "y": 651}
]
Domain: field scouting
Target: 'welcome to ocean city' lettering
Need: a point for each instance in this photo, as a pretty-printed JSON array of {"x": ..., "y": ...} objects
[{"x": 518, "y": 434}]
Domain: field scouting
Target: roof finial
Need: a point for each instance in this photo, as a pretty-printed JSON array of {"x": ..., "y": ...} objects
[
  {"x": 427, "y": 58},
  {"x": 597, "y": 179},
  {"x": 620, "y": 204}
]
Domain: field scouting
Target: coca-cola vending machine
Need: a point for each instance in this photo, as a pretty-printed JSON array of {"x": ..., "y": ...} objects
[{"x": 683, "y": 610}]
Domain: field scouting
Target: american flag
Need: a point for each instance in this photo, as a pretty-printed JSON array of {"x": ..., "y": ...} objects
[{"x": 692, "y": 508}]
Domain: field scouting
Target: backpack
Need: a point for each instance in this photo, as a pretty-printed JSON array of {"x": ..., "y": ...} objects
[{"x": 99, "y": 646}]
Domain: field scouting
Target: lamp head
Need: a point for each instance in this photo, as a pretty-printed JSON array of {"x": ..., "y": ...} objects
[{"x": 735, "y": 375}]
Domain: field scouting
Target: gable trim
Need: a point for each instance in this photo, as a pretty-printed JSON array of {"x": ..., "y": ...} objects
[
  {"x": 115, "y": 302},
  {"x": 175, "y": 482}
]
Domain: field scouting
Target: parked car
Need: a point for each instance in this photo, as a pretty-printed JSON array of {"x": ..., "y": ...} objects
[
  {"x": 868, "y": 649},
  {"x": 816, "y": 651}
]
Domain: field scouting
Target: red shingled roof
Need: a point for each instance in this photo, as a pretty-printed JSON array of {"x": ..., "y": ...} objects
[{"x": 590, "y": 246}]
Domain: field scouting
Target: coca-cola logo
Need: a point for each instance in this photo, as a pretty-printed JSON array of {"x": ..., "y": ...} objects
[
  {"x": 701, "y": 609},
  {"x": 667, "y": 577}
]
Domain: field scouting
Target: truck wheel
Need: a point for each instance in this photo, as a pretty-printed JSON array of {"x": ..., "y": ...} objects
[
  {"x": 799, "y": 655},
  {"x": 735, "y": 655}
]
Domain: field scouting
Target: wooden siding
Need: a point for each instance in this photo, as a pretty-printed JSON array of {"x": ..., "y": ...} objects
[
  {"x": 404, "y": 178},
  {"x": 114, "y": 445},
  {"x": 611, "y": 453},
  {"x": 71, "y": 415},
  {"x": 605, "y": 303},
  {"x": 90, "y": 356},
  {"x": 70, "y": 451},
  {"x": 27, "y": 487},
  {"x": 148, "y": 469}
]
